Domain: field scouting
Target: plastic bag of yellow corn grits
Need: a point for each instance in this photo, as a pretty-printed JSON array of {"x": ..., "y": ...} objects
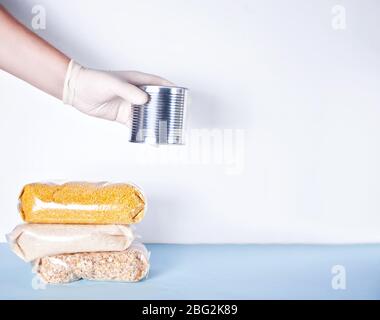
[
  {"x": 82, "y": 203},
  {"x": 31, "y": 241},
  {"x": 130, "y": 265}
]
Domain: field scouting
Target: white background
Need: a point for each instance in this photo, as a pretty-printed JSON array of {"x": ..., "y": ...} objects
[{"x": 306, "y": 95}]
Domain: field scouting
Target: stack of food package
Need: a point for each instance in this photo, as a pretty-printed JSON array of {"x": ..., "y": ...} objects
[{"x": 81, "y": 230}]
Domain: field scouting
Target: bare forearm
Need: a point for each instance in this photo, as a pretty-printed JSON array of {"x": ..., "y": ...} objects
[
  {"x": 103, "y": 94},
  {"x": 30, "y": 58}
]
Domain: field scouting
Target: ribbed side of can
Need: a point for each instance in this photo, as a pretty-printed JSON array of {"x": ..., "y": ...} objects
[{"x": 161, "y": 120}]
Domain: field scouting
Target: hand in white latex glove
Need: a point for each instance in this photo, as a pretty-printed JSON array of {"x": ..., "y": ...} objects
[{"x": 107, "y": 95}]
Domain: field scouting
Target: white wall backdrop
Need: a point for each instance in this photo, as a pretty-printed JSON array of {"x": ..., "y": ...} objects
[{"x": 304, "y": 93}]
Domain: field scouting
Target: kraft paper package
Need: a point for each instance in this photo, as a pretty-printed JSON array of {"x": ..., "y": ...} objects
[
  {"x": 82, "y": 203},
  {"x": 130, "y": 265},
  {"x": 32, "y": 241}
]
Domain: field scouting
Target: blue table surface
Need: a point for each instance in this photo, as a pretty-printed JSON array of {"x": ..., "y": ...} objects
[{"x": 219, "y": 272}]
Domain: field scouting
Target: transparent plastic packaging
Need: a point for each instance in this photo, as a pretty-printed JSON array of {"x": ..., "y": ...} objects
[
  {"x": 32, "y": 241},
  {"x": 82, "y": 203},
  {"x": 130, "y": 265}
]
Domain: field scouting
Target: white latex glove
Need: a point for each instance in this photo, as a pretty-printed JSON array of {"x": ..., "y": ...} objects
[{"x": 107, "y": 95}]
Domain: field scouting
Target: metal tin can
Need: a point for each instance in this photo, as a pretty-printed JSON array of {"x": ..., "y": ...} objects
[{"x": 162, "y": 119}]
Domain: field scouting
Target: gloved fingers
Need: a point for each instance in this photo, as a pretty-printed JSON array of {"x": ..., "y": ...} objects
[
  {"x": 108, "y": 110},
  {"x": 116, "y": 109},
  {"x": 124, "y": 113},
  {"x": 130, "y": 93},
  {"x": 140, "y": 78}
]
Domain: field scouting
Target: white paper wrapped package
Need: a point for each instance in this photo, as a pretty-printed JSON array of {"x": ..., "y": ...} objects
[
  {"x": 32, "y": 241},
  {"x": 129, "y": 265}
]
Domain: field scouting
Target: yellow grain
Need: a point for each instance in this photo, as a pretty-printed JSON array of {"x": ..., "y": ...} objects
[{"x": 82, "y": 202}]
